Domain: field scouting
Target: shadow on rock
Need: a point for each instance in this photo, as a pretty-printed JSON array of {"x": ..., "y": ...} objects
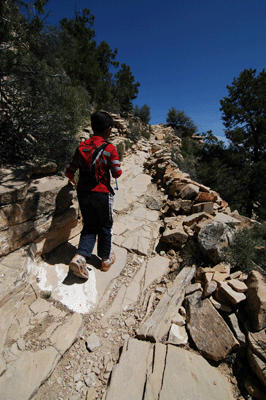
[
  {"x": 94, "y": 261},
  {"x": 63, "y": 254}
]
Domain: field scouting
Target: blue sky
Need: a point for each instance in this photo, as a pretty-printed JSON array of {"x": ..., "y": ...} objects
[{"x": 182, "y": 52}]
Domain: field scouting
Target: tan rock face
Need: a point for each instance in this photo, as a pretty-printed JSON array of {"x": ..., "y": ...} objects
[{"x": 256, "y": 299}]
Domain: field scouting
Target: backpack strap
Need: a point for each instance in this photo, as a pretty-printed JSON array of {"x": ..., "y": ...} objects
[{"x": 98, "y": 152}]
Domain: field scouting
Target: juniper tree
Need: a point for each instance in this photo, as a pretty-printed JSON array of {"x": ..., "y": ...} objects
[{"x": 244, "y": 116}]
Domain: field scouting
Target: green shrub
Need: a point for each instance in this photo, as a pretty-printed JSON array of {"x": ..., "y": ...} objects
[
  {"x": 144, "y": 113},
  {"x": 120, "y": 150},
  {"x": 192, "y": 255},
  {"x": 248, "y": 249},
  {"x": 128, "y": 144},
  {"x": 146, "y": 134},
  {"x": 134, "y": 133},
  {"x": 168, "y": 138}
]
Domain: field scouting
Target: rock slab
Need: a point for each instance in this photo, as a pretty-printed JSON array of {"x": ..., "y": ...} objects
[{"x": 208, "y": 329}]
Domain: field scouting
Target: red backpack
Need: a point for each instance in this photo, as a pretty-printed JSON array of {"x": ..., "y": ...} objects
[{"x": 89, "y": 163}]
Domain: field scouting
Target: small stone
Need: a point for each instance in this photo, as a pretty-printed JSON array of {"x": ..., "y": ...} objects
[
  {"x": 91, "y": 394},
  {"x": 171, "y": 252},
  {"x": 59, "y": 381},
  {"x": 125, "y": 336},
  {"x": 79, "y": 386},
  {"x": 182, "y": 311},
  {"x": 210, "y": 288},
  {"x": 208, "y": 276},
  {"x": 193, "y": 288},
  {"x": 178, "y": 335},
  {"x": 92, "y": 342},
  {"x": 235, "y": 275},
  {"x": 91, "y": 380},
  {"x": 160, "y": 290},
  {"x": 105, "y": 359},
  {"x": 109, "y": 366},
  {"x": 219, "y": 277},
  {"x": 96, "y": 370},
  {"x": 223, "y": 268},
  {"x": 40, "y": 306},
  {"x": 178, "y": 320},
  {"x": 77, "y": 377},
  {"x": 130, "y": 321}
]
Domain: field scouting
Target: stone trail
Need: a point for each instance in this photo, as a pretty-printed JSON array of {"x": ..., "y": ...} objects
[{"x": 60, "y": 336}]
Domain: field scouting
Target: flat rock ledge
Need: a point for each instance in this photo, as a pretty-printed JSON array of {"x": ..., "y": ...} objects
[{"x": 149, "y": 371}]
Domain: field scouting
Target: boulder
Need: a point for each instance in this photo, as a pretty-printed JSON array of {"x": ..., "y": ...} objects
[{"x": 213, "y": 237}]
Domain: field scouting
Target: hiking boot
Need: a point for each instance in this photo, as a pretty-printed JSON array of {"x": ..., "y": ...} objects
[
  {"x": 106, "y": 264},
  {"x": 79, "y": 267}
]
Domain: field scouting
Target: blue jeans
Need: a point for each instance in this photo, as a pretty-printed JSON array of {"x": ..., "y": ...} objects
[{"x": 97, "y": 212}]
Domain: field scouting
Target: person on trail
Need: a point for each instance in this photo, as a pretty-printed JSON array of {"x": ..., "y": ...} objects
[{"x": 95, "y": 158}]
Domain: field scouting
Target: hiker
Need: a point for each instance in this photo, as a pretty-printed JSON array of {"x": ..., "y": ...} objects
[{"x": 95, "y": 158}]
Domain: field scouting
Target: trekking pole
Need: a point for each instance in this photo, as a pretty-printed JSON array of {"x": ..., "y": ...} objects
[{"x": 116, "y": 187}]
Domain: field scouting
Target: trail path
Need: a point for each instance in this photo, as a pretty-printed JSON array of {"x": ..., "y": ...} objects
[{"x": 111, "y": 303}]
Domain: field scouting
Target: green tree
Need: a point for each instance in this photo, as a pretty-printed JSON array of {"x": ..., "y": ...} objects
[
  {"x": 84, "y": 61},
  {"x": 125, "y": 89},
  {"x": 216, "y": 168},
  {"x": 244, "y": 116},
  {"x": 40, "y": 112},
  {"x": 144, "y": 113},
  {"x": 181, "y": 121}
]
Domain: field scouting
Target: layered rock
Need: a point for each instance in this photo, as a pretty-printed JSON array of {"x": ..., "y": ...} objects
[{"x": 39, "y": 209}]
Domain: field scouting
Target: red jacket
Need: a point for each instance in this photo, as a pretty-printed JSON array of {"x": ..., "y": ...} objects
[{"x": 109, "y": 162}]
